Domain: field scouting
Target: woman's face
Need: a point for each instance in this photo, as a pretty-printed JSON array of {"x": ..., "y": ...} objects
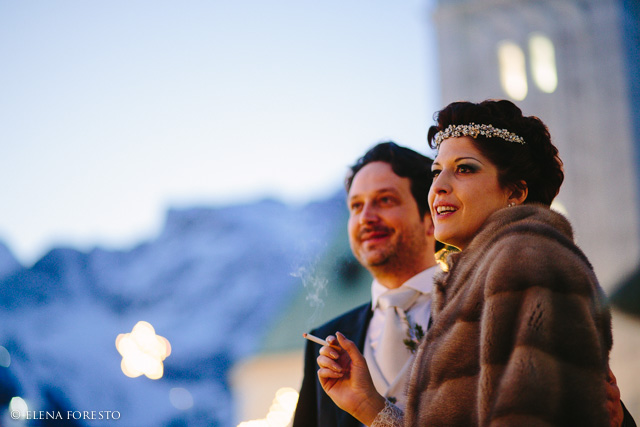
[{"x": 465, "y": 191}]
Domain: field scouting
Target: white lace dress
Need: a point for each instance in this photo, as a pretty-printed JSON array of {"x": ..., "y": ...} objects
[{"x": 390, "y": 416}]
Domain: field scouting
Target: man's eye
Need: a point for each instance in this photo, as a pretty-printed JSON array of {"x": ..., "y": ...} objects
[{"x": 388, "y": 200}]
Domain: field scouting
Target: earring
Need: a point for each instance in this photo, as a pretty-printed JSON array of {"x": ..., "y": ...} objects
[{"x": 512, "y": 204}]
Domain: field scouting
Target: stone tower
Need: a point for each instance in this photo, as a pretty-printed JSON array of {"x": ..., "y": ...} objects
[{"x": 573, "y": 63}]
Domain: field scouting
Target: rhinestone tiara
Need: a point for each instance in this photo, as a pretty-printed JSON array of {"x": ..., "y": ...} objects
[{"x": 473, "y": 130}]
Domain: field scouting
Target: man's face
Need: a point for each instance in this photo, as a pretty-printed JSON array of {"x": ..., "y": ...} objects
[{"x": 386, "y": 232}]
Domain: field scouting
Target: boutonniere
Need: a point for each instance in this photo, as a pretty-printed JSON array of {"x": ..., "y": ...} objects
[{"x": 415, "y": 334}]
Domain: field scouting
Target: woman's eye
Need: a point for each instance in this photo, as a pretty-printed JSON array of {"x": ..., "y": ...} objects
[
  {"x": 435, "y": 173},
  {"x": 466, "y": 169}
]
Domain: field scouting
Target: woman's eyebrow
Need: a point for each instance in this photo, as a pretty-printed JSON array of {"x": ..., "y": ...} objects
[
  {"x": 457, "y": 159},
  {"x": 468, "y": 158}
]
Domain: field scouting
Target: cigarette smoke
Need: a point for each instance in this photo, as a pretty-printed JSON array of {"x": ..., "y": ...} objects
[{"x": 316, "y": 288}]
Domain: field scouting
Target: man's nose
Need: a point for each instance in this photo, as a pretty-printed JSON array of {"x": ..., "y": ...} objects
[{"x": 369, "y": 213}]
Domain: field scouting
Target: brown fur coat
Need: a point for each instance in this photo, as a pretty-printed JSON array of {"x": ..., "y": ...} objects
[{"x": 521, "y": 332}]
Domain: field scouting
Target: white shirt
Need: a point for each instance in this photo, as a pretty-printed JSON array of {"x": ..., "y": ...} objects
[{"x": 419, "y": 313}]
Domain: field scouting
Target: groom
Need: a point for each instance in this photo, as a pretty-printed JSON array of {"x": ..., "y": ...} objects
[{"x": 391, "y": 235}]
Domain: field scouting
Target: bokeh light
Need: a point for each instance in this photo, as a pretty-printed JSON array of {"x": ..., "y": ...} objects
[
  {"x": 559, "y": 207},
  {"x": 543, "y": 62},
  {"x": 280, "y": 412},
  {"x": 143, "y": 351},
  {"x": 5, "y": 357},
  {"x": 181, "y": 398},
  {"x": 18, "y": 404},
  {"x": 513, "y": 71}
]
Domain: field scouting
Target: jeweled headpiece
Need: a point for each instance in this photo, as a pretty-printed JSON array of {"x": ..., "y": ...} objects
[{"x": 473, "y": 130}]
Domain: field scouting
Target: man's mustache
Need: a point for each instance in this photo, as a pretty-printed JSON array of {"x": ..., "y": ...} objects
[{"x": 368, "y": 231}]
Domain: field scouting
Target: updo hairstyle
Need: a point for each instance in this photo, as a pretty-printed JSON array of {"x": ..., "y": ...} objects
[{"x": 536, "y": 161}]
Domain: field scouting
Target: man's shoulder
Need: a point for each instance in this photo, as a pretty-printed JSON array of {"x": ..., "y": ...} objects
[{"x": 356, "y": 316}]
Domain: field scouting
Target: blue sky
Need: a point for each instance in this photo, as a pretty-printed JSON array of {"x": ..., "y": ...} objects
[{"x": 113, "y": 111}]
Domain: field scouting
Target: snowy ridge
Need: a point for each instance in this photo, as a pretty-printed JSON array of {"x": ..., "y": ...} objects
[
  {"x": 211, "y": 283},
  {"x": 8, "y": 263}
]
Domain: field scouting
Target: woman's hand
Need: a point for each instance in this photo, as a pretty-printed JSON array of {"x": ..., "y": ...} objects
[{"x": 345, "y": 377}]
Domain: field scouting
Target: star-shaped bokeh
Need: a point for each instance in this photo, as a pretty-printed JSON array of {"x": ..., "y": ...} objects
[{"x": 143, "y": 351}]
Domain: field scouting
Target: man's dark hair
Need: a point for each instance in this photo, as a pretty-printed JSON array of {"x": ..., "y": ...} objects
[{"x": 405, "y": 163}]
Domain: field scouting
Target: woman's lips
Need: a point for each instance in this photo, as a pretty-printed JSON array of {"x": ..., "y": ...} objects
[{"x": 444, "y": 210}]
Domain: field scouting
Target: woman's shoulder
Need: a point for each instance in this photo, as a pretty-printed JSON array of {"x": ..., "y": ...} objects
[
  {"x": 537, "y": 258},
  {"x": 536, "y": 248},
  {"x": 526, "y": 231},
  {"x": 533, "y": 219}
]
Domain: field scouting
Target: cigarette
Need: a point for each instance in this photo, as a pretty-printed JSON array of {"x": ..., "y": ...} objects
[{"x": 318, "y": 340}]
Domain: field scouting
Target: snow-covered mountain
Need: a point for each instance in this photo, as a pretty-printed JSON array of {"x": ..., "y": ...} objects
[
  {"x": 8, "y": 263},
  {"x": 211, "y": 283}
]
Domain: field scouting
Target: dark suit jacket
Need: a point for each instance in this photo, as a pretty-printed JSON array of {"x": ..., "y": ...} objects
[
  {"x": 628, "y": 420},
  {"x": 315, "y": 408}
]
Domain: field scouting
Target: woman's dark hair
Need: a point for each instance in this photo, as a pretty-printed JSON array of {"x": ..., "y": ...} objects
[{"x": 536, "y": 161}]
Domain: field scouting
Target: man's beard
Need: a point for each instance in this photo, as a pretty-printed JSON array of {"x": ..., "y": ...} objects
[
  {"x": 380, "y": 257},
  {"x": 395, "y": 257}
]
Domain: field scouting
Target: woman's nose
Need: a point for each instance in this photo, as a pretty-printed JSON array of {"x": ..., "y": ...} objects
[{"x": 441, "y": 183}]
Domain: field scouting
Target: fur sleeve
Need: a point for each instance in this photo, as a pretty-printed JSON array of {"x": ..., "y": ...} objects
[{"x": 545, "y": 337}]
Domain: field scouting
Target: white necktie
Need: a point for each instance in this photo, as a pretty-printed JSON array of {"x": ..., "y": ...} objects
[{"x": 392, "y": 354}]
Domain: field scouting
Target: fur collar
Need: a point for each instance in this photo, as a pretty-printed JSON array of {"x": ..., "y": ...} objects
[{"x": 534, "y": 219}]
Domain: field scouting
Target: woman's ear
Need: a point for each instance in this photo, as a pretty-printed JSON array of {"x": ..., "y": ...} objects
[{"x": 519, "y": 193}]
